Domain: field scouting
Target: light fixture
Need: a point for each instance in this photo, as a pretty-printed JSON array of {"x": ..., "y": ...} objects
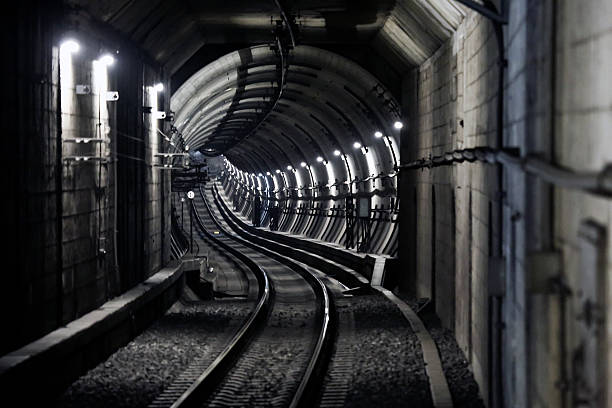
[
  {"x": 107, "y": 60},
  {"x": 398, "y": 125},
  {"x": 70, "y": 46},
  {"x": 278, "y": 171},
  {"x": 289, "y": 167},
  {"x": 268, "y": 173},
  {"x": 260, "y": 175},
  {"x": 337, "y": 152},
  {"x": 356, "y": 145},
  {"x": 320, "y": 159},
  {"x": 159, "y": 87},
  {"x": 378, "y": 134},
  {"x": 303, "y": 164},
  {"x": 187, "y": 147}
]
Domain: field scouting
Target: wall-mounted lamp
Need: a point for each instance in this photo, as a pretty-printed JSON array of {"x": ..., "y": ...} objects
[
  {"x": 159, "y": 87},
  {"x": 289, "y": 167},
  {"x": 69, "y": 46},
  {"x": 268, "y": 173},
  {"x": 337, "y": 152},
  {"x": 357, "y": 145},
  {"x": 320, "y": 159},
  {"x": 107, "y": 60},
  {"x": 398, "y": 125},
  {"x": 278, "y": 171},
  {"x": 378, "y": 134},
  {"x": 303, "y": 164}
]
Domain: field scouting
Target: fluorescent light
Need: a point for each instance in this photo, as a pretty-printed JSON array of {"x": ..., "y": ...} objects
[
  {"x": 159, "y": 87},
  {"x": 70, "y": 46},
  {"x": 398, "y": 125},
  {"x": 356, "y": 145},
  {"x": 107, "y": 60},
  {"x": 378, "y": 134},
  {"x": 319, "y": 159},
  {"x": 337, "y": 152},
  {"x": 303, "y": 164}
]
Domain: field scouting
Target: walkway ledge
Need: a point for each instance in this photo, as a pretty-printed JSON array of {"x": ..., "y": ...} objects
[{"x": 43, "y": 368}]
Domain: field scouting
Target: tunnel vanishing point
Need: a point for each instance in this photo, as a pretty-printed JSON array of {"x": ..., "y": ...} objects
[{"x": 459, "y": 150}]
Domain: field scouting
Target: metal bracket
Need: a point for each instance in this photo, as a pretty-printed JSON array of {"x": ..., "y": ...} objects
[
  {"x": 111, "y": 96},
  {"x": 85, "y": 140},
  {"x": 85, "y": 159},
  {"x": 171, "y": 154}
]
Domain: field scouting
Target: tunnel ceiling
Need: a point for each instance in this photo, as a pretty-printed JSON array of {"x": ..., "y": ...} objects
[
  {"x": 405, "y": 32},
  {"x": 328, "y": 103}
]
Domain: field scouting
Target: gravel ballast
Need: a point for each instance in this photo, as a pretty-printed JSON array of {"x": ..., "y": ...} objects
[
  {"x": 386, "y": 367},
  {"x": 461, "y": 382},
  {"x": 139, "y": 371}
]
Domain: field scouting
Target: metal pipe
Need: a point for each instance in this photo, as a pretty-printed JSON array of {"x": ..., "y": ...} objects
[
  {"x": 59, "y": 281},
  {"x": 191, "y": 226},
  {"x": 593, "y": 182},
  {"x": 114, "y": 152}
]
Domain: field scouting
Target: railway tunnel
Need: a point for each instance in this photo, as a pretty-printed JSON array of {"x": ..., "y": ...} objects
[{"x": 307, "y": 203}]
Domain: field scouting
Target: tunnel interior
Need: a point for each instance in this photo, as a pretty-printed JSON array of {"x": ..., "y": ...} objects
[{"x": 461, "y": 143}]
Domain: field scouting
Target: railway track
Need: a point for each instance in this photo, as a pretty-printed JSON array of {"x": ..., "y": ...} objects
[{"x": 279, "y": 356}]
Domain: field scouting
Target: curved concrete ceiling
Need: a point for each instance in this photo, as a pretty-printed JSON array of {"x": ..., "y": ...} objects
[
  {"x": 329, "y": 104},
  {"x": 406, "y": 32}
]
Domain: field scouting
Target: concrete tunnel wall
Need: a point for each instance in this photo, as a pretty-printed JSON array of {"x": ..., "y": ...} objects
[
  {"x": 322, "y": 219},
  {"x": 450, "y": 218},
  {"x": 60, "y": 221}
]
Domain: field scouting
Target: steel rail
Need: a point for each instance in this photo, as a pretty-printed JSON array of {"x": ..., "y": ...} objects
[
  {"x": 314, "y": 372},
  {"x": 206, "y": 382}
]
